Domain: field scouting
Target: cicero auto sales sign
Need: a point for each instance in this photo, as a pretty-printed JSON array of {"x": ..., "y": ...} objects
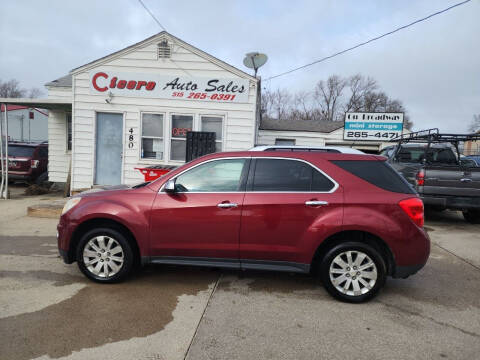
[{"x": 169, "y": 87}]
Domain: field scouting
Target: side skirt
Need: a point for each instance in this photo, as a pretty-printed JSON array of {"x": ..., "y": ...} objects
[{"x": 229, "y": 263}]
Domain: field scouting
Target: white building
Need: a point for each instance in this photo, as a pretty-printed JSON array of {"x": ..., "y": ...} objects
[
  {"x": 133, "y": 108},
  {"x": 311, "y": 133}
]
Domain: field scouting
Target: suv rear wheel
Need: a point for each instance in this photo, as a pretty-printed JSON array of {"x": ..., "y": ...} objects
[
  {"x": 105, "y": 255},
  {"x": 353, "y": 272},
  {"x": 472, "y": 216}
]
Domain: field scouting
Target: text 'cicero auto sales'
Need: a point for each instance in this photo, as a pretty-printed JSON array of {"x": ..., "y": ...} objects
[{"x": 169, "y": 87}]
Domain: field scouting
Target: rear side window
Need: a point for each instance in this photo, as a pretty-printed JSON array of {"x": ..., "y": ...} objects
[
  {"x": 378, "y": 173},
  {"x": 288, "y": 175},
  {"x": 434, "y": 155}
]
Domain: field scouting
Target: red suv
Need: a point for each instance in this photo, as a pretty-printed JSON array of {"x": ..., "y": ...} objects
[
  {"x": 349, "y": 219},
  {"x": 28, "y": 162}
]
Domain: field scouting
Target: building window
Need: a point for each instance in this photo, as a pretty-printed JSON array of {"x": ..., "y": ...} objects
[
  {"x": 69, "y": 132},
  {"x": 285, "y": 142},
  {"x": 181, "y": 124},
  {"x": 164, "y": 50},
  {"x": 214, "y": 124},
  {"x": 152, "y": 136}
]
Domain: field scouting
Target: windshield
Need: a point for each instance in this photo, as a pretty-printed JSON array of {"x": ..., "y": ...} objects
[{"x": 20, "y": 151}]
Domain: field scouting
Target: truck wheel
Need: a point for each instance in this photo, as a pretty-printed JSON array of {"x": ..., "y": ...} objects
[
  {"x": 41, "y": 179},
  {"x": 104, "y": 255},
  {"x": 472, "y": 216},
  {"x": 353, "y": 272}
]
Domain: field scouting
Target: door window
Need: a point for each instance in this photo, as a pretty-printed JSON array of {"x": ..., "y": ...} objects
[
  {"x": 213, "y": 176},
  {"x": 288, "y": 176}
]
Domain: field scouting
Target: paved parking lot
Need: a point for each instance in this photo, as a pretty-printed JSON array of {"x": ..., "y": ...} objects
[{"x": 49, "y": 310}]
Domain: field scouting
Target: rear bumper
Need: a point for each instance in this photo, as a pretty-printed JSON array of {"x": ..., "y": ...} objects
[
  {"x": 405, "y": 271},
  {"x": 452, "y": 202}
]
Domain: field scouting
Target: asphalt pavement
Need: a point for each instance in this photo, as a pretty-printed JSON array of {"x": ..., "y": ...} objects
[{"x": 48, "y": 310}]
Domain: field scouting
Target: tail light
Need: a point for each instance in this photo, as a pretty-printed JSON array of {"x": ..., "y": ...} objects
[
  {"x": 34, "y": 163},
  {"x": 413, "y": 207},
  {"x": 420, "y": 178}
]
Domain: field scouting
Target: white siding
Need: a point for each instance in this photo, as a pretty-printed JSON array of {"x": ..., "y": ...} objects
[
  {"x": 302, "y": 138},
  {"x": 307, "y": 138},
  {"x": 239, "y": 118},
  {"x": 58, "y": 157},
  {"x": 56, "y": 92}
]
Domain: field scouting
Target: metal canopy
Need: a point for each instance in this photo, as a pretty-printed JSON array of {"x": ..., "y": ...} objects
[{"x": 50, "y": 104}]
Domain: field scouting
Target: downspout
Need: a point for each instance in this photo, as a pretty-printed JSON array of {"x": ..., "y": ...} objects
[
  {"x": 6, "y": 153},
  {"x": 1, "y": 152},
  {"x": 258, "y": 114}
]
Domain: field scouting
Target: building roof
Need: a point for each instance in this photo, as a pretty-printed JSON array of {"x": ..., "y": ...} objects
[
  {"x": 68, "y": 78},
  {"x": 51, "y": 104},
  {"x": 300, "y": 125},
  {"x": 20, "y": 107},
  {"x": 64, "y": 81}
]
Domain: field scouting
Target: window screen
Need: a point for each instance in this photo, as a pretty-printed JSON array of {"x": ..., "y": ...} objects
[
  {"x": 378, "y": 173},
  {"x": 152, "y": 136},
  {"x": 288, "y": 175},
  {"x": 214, "y": 124},
  {"x": 181, "y": 124}
]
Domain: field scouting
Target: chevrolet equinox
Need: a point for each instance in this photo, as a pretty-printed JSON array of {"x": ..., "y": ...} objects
[{"x": 349, "y": 219}]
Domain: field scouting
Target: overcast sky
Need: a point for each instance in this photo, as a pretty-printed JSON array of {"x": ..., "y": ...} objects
[{"x": 432, "y": 67}]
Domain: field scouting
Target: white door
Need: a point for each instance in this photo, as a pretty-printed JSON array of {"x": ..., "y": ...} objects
[{"x": 109, "y": 149}]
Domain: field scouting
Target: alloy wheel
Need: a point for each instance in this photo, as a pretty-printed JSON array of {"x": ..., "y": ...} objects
[
  {"x": 103, "y": 256},
  {"x": 353, "y": 273}
]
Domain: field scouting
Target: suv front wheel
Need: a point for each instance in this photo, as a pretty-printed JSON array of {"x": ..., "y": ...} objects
[
  {"x": 353, "y": 272},
  {"x": 105, "y": 255}
]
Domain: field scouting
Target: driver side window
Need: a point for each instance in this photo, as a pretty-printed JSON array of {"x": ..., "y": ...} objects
[{"x": 213, "y": 176}]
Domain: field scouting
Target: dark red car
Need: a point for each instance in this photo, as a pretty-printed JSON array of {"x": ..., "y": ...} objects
[
  {"x": 349, "y": 219},
  {"x": 28, "y": 162}
]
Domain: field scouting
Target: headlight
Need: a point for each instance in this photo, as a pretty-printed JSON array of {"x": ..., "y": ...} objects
[{"x": 70, "y": 204}]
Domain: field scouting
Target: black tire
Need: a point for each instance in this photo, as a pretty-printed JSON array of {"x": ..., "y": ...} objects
[
  {"x": 356, "y": 247},
  {"x": 127, "y": 252},
  {"x": 41, "y": 179},
  {"x": 472, "y": 216}
]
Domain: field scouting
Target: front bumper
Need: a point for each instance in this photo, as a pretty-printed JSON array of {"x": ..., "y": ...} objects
[{"x": 64, "y": 235}]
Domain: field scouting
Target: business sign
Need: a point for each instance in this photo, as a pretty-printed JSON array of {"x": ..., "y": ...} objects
[
  {"x": 169, "y": 87},
  {"x": 372, "y": 126}
]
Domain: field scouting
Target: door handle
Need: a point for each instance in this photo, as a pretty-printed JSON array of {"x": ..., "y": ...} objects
[
  {"x": 315, "y": 203},
  {"x": 226, "y": 205},
  {"x": 465, "y": 180}
]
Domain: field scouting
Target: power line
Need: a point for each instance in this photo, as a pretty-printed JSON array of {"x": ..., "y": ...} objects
[
  {"x": 153, "y": 16},
  {"x": 368, "y": 41}
]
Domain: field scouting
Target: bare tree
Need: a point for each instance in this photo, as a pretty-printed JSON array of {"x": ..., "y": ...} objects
[
  {"x": 302, "y": 106},
  {"x": 359, "y": 87},
  {"x": 277, "y": 104},
  {"x": 11, "y": 88},
  {"x": 34, "y": 93},
  {"x": 475, "y": 124},
  {"x": 328, "y": 96},
  {"x": 330, "y": 100}
]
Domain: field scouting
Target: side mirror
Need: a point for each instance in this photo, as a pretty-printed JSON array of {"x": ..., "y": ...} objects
[{"x": 170, "y": 186}]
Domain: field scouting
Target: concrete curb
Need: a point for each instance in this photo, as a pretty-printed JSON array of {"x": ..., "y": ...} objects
[{"x": 51, "y": 210}]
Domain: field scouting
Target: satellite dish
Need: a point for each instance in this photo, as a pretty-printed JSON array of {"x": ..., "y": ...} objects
[{"x": 255, "y": 60}]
